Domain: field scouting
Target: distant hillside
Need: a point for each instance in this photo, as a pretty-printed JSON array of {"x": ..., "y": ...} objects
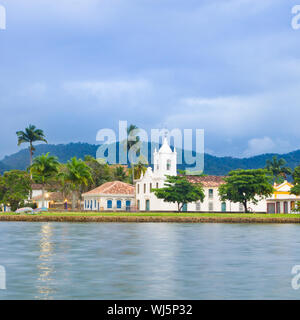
[{"x": 213, "y": 165}]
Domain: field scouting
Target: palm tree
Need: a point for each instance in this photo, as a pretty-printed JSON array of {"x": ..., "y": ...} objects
[
  {"x": 134, "y": 140},
  {"x": 139, "y": 168},
  {"x": 278, "y": 169},
  {"x": 45, "y": 167},
  {"x": 120, "y": 174},
  {"x": 61, "y": 178},
  {"x": 30, "y": 135},
  {"x": 78, "y": 174}
]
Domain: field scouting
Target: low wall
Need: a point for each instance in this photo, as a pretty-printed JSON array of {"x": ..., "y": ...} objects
[{"x": 130, "y": 219}]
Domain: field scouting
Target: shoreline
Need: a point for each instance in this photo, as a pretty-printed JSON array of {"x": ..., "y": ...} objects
[{"x": 144, "y": 219}]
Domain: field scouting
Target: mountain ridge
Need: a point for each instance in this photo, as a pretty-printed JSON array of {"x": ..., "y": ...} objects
[{"x": 213, "y": 165}]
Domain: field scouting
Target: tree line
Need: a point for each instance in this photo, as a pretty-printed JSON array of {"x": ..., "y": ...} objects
[
  {"x": 72, "y": 178},
  {"x": 78, "y": 176}
]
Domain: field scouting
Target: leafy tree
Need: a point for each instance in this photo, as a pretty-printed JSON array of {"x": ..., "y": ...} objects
[
  {"x": 132, "y": 142},
  {"x": 120, "y": 174},
  {"x": 78, "y": 174},
  {"x": 45, "y": 168},
  {"x": 30, "y": 135},
  {"x": 15, "y": 187},
  {"x": 100, "y": 173},
  {"x": 61, "y": 178},
  {"x": 139, "y": 168},
  {"x": 296, "y": 177},
  {"x": 179, "y": 190},
  {"x": 243, "y": 186},
  {"x": 278, "y": 169}
]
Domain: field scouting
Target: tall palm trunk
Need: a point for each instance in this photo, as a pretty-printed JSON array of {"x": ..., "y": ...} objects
[
  {"x": 73, "y": 200},
  {"x": 31, "y": 155},
  {"x": 43, "y": 196}
]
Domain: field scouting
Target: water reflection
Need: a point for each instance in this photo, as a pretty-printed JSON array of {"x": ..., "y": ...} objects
[{"x": 45, "y": 266}]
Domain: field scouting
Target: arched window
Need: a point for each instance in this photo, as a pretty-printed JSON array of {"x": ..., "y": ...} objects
[
  {"x": 109, "y": 204},
  {"x": 119, "y": 204},
  {"x": 168, "y": 165}
]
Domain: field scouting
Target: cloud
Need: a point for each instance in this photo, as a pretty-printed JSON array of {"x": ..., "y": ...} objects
[
  {"x": 230, "y": 67},
  {"x": 263, "y": 145},
  {"x": 109, "y": 90}
]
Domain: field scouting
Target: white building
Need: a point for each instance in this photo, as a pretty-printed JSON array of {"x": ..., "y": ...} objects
[
  {"x": 110, "y": 196},
  {"x": 282, "y": 200},
  {"x": 165, "y": 163}
]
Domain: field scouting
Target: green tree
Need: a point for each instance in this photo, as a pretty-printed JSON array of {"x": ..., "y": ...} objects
[
  {"x": 100, "y": 172},
  {"x": 15, "y": 187},
  {"x": 179, "y": 190},
  {"x": 78, "y": 174},
  {"x": 278, "y": 169},
  {"x": 30, "y": 135},
  {"x": 120, "y": 174},
  {"x": 139, "y": 169},
  {"x": 296, "y": 177},
  {"x": 244, "y": 186},
  {"x": 45, "y": 168},
  {"x": 132, "y": 143},
  {"x": 61, "y": 178}
]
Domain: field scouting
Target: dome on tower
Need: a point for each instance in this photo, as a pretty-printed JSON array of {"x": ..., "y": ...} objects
[{"x": 165, "y": 148}]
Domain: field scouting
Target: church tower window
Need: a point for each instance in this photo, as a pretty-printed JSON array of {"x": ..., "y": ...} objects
[{"x": 168, "y": 165}]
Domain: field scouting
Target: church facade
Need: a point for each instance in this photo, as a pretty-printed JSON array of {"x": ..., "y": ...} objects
[{"x": 165, "y": 163}]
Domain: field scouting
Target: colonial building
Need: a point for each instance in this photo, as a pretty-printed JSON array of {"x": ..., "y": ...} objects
[
  {"x": 165, "y": 163},
  {"x": 111, "y": 196},
  {"x": 282, "y": 200}
]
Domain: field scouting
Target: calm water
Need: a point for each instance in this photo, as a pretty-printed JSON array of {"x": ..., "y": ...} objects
[{"x": 148, "y": 261}]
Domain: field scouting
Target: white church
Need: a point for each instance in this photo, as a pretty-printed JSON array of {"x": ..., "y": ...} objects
[{"x": 165, "y": 163}]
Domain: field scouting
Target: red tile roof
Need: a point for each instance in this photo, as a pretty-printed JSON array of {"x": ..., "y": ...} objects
[
  {"x": 52, "y": 196},
  {"x": 207, "y": 181},
  {"x": 114, "y": 187}
]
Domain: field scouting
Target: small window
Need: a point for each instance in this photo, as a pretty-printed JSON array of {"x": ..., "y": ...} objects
[
  {"x": 198, "y": 206},
  {"x": 168, "y": 165},
  {"x": 211, "y": 206},
  {"x": 211, "y": 193},
  {"x": 157, "y": 167},
  {"x": 109, "y": 204},
  {"x": 91, "y": 204},
  {"x": 119, "y": 204},
  {"x": 85, "y": 203},
  {"x": 145, "y": 188},
  {"x": 138, "y": 188},
  {"x": 95, "y": 204},
  {"x": 157, "y": 185},
  {"x": 150, "y": 187},
  {"x": 138, "y": 204}
]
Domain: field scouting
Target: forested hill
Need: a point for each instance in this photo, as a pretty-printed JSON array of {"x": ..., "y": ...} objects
[{"x": 213, "y": 165}]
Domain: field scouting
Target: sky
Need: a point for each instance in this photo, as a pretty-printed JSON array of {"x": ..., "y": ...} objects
[{"x": 230, "y": 67}]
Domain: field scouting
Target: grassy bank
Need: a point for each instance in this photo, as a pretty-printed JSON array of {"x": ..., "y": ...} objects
[{"x": 153, "y": 217}]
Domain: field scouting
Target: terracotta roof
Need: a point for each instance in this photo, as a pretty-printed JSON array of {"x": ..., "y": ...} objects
[
  {"x": 37, "y": 186},
  {"x": 114, "y": 187},
  {"x": 52, "y": 196},
  {"x": 207, "y": 181}
]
